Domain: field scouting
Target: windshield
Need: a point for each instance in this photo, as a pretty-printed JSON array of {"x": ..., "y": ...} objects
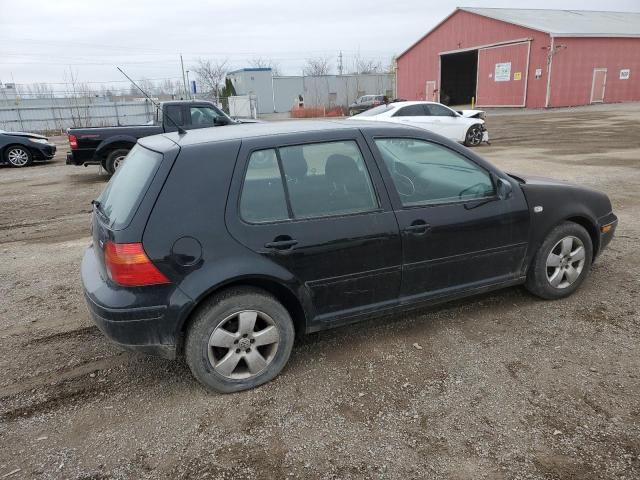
[
  {"x": 120, "y": 199},
  {"x": 375, "y": 111}
]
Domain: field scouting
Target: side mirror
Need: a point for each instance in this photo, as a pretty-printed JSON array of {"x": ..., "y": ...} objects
[
  {"x": 503, "y": 188},
  {"x": 220, "y": 121}
]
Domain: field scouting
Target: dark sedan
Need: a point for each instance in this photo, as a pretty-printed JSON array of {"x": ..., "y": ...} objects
[
  {"x": 20, "y": 149},
  {"x": 222, "y": 244},
  {"x": 364, "y": 103}
]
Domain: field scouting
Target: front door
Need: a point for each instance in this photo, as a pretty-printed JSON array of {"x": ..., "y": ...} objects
[
  {"x": 456, "y": 233},
  {"x": 319, "y": 210},
  {"x": 598, "y": 85}
]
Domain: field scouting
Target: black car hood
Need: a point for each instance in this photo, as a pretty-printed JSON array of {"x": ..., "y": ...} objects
[
  {"x": 24, "y": 134},
  {"x": 535, "y": 180}
]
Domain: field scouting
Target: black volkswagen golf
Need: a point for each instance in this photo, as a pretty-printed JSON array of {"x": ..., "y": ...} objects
[{"x": 222, "y": 245}]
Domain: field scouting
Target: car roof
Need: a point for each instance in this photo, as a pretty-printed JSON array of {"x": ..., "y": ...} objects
[{"x": 253, "y": 130}]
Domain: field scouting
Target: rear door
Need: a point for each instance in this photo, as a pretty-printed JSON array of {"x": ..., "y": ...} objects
[
  {"x": 316, "y": 205},
  {"x": 456, "y": 233}
]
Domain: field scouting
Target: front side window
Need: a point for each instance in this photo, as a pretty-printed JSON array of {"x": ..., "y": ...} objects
[
  {"x": 327, "y": 179},
  {"x": 202, "y": 117},
  {"x": 263, "y": 198},
  {"x": 426, "y": 173},
  {"x": 411, "y": 111}
]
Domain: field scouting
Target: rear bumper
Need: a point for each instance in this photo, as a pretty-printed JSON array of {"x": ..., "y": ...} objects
[
  {"x": 145, "y": 319},
  {"x": 82, "y": 157}
]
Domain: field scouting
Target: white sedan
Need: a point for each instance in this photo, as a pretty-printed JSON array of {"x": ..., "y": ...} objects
[{"x": 466, "y": 126}]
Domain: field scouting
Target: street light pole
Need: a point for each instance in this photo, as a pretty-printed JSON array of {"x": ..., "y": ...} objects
[{"x": 184, "y": 80}]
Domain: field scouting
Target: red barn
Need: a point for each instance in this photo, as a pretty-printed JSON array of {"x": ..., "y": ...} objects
[{"x": 507, "y": 57}]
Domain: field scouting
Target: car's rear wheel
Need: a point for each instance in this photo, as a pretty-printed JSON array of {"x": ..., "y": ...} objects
[
  {"x": 561, "y": 263},
  {"x": 238, "y": 340},
  {"x": 115, "y": 159},
  {"x": 18, "y": 156},
  {"x": 474, "y": 135}
]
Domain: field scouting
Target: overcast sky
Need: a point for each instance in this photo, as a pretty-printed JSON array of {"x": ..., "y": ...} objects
[{"x": 40, "y": 40}]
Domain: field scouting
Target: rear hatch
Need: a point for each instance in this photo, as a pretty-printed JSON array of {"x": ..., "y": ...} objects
[{"x": 122, "y": 209}]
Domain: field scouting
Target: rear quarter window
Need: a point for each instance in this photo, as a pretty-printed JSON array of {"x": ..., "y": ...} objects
[{"x": 123, "y": 194}]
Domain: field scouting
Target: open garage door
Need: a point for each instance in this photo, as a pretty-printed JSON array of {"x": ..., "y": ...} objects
[{"x": 502, "y": 75}]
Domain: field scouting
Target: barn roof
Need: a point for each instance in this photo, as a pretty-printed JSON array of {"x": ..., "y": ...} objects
[
  {"x": 567, "y": 23},
  {"x": 558, "y": 23}
]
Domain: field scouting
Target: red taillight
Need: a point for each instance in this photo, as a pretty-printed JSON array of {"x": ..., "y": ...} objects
[
  {"x": 128, "y": 265},
  {"x": 73, "y": 142}
]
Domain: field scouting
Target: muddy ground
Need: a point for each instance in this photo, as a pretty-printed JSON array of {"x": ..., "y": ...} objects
[{"x": 504, "y": 386}]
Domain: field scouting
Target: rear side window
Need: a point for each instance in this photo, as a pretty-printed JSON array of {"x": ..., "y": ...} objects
[
  {"x": 327, "y": 179},
  {"x": 411, "y": 111},
  {"x": 263, "y": 198},
  {"x": 314, "y": 180},
  {"x": 120, "y": 199}
]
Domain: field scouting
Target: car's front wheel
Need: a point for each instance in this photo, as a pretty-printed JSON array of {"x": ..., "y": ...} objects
[
  {"x": 474, "y": 136},
  {"x": 238, "y": 340},
  {"x": 561, "y": 263},
  {"x": 18, "y": 156}
]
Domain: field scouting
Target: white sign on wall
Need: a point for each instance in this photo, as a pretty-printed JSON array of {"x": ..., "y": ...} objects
[
  {"x": 503, "y": 72},
  {"x": 625, "y": 73}
]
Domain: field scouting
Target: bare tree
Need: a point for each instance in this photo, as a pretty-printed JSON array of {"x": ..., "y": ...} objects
[
  {"x": 318, "y": 66},
  {"x": 391, "y": 66},
  {"x": 260, "y": 62},
  {"x": 169, "y": 87},
  {"x": 39, "y": 90},
  {"x": 364, "y": 66},
  {"x": 211, "y": 75}
]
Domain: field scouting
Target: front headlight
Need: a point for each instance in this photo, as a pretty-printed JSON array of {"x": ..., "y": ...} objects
[{"x": 39, "y": 140}]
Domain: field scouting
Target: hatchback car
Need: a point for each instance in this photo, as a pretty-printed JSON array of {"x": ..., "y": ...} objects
[{"x": 222, "y": 245}]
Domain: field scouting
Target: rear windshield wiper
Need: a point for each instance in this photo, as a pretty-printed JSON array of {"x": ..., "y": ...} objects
[{"x": 98, "y": 206}]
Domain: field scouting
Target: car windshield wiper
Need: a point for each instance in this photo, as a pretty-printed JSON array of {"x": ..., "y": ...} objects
[{"x": 98, "y": 206}]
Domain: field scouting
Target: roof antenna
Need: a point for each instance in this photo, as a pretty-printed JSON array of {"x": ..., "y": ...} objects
[{"x": 181, "y": 131}]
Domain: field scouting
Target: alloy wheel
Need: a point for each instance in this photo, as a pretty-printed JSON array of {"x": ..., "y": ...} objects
[
  {"x": 243, "y": 344},
  {"x": 475, "y": 136},
  {"x": 18, "y": 157},
  {"x": 565, "y": 262}
]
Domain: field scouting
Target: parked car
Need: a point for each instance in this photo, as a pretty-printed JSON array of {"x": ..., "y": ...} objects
[
  {"x": 108, "y": 146},
  {"x": 365, "y": 103},
  {"x": 20, "y": 149},
  {"x": 465, "y": 126},
  {"x": 294, "y": 227}
]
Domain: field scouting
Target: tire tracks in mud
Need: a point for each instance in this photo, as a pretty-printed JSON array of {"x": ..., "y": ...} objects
[{"x": 52, "y": 390}]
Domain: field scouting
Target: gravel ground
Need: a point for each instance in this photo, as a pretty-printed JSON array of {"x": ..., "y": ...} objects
[{"x": 501, "y": 386}]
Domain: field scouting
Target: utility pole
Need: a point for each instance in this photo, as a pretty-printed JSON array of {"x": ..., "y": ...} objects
[
  {"x": 340, "y": 63},
  {"x": 184, "y": 79},
  {"x": 189, "y": 85}
]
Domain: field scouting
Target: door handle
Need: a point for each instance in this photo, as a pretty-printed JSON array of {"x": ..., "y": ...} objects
[
  {"x": 418, "y": 227},
  {"x": 281, "y": 244}
]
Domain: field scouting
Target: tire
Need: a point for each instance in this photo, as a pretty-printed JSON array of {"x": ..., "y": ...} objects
[
  {"x": 554, "y": 273},
  {"x": 473, "y": 138},
  {"x": 233, "y": 363},
  {"x": 352, "y": 113},
  {"x": 114, "y": 160},
  {"x": 18, "y": 156}
]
